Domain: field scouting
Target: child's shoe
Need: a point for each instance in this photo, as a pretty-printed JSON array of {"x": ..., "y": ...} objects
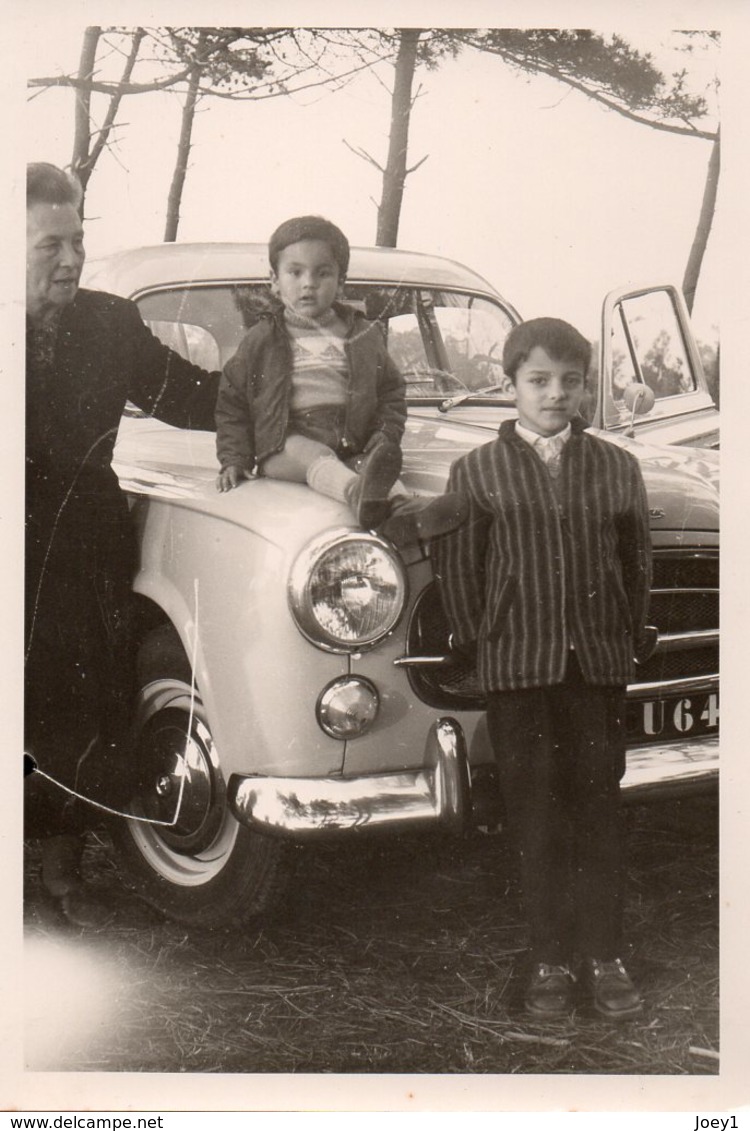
[
  {"x": 368, "y": 494},
  {"x": 549, "y": 993},
  {"x": 610, "y": 989}
]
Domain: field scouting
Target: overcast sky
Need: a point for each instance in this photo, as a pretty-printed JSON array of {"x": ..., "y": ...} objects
[{"x": 550, "y": 196}]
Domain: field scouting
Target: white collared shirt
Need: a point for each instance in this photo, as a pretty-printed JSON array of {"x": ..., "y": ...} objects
[
  {"x": 541, "y": 442},
  {"x": 549, "y": 449}
]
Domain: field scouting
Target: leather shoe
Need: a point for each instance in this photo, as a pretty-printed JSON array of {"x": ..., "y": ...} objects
[
  {"x": 610, "y": 988},
  {"x": 550, "y": 991},
  {"x": 61, "y": 863},
  {"x": 83, "y": 910},
  {"x": 376, "y": 474},
  {"x": 61, "y": 876},
  {"x": 419, "y": 520}
]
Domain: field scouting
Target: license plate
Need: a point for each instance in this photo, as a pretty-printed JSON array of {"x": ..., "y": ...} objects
[{"x": 654, "y": 720}]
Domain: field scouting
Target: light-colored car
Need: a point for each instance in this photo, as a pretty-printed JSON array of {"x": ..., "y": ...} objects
[{"x": 293, "y": 672}]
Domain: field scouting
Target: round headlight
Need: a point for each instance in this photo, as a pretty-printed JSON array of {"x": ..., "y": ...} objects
[{"x": 347, "y": 591}]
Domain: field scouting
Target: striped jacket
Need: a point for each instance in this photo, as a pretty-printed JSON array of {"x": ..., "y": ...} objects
[{"x": 534, "y": 571}]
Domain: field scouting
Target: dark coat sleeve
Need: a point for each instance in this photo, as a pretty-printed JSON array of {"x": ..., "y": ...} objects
[
  {"x": 159, "y": 381},
  {"x": 235, "y": 435},
  {"x": 459, "y": 561}
]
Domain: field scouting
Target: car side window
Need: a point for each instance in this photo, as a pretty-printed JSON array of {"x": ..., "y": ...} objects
[
  {"x": 473, "y": 334},
  {"x": 194, "y": 343},
  {"x": 396, "y": 310},
  {"x": 648, "y": 347},
  {"x": 406, "y": 347},
  {"x": 219, "y": 313},
  {"x": 444, "y": 342}
]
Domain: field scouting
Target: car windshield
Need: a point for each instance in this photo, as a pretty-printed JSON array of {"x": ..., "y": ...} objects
[{"x": 444, "y": 342}]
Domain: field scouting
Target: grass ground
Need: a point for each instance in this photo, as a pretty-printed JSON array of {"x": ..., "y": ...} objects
[{"x": 393, "y": 957}]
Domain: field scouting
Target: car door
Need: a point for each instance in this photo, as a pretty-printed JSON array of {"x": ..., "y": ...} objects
[{"x": 647, "y": 340}]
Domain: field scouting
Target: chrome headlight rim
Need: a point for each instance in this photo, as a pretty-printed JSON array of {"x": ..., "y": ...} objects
[{"x": 298, "y": 591}]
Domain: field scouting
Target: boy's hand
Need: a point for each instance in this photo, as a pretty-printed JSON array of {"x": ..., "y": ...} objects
[
  {"x": 231, "y": 477},
  {"x": 462, "y": 655}
]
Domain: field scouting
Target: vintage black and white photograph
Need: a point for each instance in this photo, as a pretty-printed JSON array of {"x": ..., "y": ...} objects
[{"x": 371, "y": 595}]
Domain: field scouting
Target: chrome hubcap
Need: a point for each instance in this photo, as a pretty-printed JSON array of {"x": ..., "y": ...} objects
[{"x": 183, "y": 789}]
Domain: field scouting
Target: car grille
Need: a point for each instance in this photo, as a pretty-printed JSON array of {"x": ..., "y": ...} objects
[{"x": 684, "y": 600}]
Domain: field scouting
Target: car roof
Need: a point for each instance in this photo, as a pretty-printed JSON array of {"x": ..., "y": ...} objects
[{"x": 140, "y": 269}]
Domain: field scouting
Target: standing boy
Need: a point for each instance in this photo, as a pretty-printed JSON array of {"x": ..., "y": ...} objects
[
  {"x": 546, "y": 585},
  {"x": 312, "y": 395}
]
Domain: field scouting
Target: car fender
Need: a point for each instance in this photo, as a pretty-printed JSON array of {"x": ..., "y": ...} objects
[{"x": 213, "y": 579}]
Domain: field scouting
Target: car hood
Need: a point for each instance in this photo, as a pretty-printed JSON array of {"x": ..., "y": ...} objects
[
  {"x": 160, "y": 462},
  {"x": 682, "y": 483}
]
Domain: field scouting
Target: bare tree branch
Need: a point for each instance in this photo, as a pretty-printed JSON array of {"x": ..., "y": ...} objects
[
  {"x": 364, "y": 155},
  {"x": 413, "y": 168},
  {"x": 96, "y": 86},
  {"x": 102, "y": 135},
  {"x": 125, "y": 88},
  {"x": 607, "y": 71},
  {"x": 253, "y": 96},
  {"x": 688, "y": 130}
]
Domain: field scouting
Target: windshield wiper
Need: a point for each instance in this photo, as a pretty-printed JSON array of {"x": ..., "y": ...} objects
[{"x": 451, "y": 402}]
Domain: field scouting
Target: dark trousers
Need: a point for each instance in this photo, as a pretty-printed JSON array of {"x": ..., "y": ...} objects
[
  {"x": 560, "y": 753},
  {"x": 80, "y": 676}
]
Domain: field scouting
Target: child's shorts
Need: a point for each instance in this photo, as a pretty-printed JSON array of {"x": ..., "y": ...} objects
[{"x": 326, "y": 425}]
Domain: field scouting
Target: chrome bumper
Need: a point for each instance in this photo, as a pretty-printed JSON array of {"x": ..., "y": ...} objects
[
  {"x": 671, "y": 768},
  {"x": 438, "y": 793}
]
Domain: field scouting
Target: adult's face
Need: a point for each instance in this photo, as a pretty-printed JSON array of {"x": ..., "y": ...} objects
[{"x": 54, "y": 258}]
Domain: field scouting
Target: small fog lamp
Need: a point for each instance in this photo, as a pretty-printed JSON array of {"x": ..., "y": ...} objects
[{"x": 348, "y": 707}]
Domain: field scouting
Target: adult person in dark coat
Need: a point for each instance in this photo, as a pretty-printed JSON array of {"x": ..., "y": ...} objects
[{"x": 87, "y": 354}]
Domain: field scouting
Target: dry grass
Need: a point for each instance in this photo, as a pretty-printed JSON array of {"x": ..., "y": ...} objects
[{"x": 403, "y": 956}]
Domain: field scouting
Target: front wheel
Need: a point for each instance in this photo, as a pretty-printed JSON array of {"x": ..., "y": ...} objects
[{"x": 187, "y": 855}]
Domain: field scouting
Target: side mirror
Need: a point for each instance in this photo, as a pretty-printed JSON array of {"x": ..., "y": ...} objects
[{"x": 639, "y": 399}]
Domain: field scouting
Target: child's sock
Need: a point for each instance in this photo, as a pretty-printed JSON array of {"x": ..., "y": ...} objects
[{"x": 329, "y": 476}]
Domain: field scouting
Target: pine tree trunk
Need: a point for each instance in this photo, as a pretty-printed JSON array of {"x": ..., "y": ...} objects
[
  {"x": 183, "y": 153},
  {"x": 394, "y": 174},
  {"x": 702, "y": 231},
  {"x": 102, "y": 135},
  {"x": 86, "y": 154},
  {"x": 79, "y": 162}
]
